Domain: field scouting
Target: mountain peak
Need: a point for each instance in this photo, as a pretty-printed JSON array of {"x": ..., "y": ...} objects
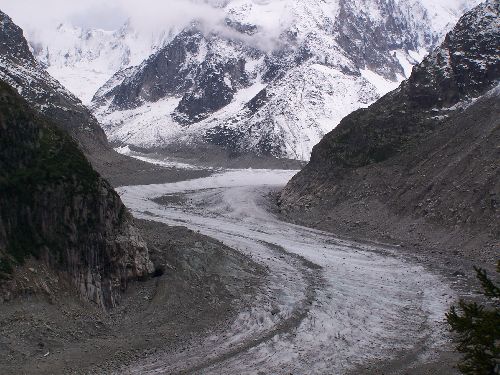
[{"x": 317, "y": 61}]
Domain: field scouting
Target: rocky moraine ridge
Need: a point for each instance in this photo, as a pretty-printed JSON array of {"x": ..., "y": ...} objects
[{"x": 424, "y": 157}]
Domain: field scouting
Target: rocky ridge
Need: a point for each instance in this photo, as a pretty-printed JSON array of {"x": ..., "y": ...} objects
[
  {"x": 241, "y": 89},
  {"x": 423, "y": 157}
]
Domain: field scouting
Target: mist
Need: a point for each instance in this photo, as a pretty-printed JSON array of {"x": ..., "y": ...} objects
[{"x": 146, "y": 16}]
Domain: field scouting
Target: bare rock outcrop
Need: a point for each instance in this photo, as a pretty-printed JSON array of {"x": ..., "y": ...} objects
[{"x": 56, "y": 208}]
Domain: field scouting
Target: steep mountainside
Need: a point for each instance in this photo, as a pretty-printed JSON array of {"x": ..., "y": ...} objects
[
  {"x": 273, "y": 77},
  {"x": 422, "y": 159},
  {"x": 19, "y": 69},
  {"x": 56, "y": 208}
]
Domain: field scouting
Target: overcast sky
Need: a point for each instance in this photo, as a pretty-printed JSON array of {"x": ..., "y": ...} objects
[{"x": 108, "y": 14}]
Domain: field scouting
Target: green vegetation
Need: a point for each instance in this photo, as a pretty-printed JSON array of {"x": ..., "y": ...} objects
[
  {"x": 478, "y": 329},
  {"x": 5, "y": 267},
  {"x": 41, "y": 170},
  {"x": 55, "y": 159}
]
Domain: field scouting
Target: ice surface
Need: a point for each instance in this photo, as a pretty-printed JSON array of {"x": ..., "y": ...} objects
[{"x": 358, "y": 303}]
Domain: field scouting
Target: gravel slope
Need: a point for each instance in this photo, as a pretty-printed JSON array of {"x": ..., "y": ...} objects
[{"x": 197, "y": 294}]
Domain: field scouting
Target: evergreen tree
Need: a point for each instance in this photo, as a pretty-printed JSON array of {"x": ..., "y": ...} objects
[{"x": 478, "y": 329}]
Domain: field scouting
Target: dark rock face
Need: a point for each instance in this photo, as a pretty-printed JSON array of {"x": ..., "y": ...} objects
[
  {"x": 12, "y": 41},
  {"x": 464, "y": 66},
  {"x": 168, "y": 72},
  {"x": 186, "y": 68},
  {"x": 423, "y": 151},
  {"x": 241, "y": 27},
  {"x": 371, "y": 50},
  {"x": 56, "y": 208},
  {"x": 258, "y": 101},
  {"x": 215, "y": 86},
  {"x": 282, "y": 60}
]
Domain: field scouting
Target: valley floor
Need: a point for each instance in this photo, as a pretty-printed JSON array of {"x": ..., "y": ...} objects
[
  {"x": 243, "y": 292},
  {"x": 328, "y": 305},
  {"x": 56, "y": 333}
]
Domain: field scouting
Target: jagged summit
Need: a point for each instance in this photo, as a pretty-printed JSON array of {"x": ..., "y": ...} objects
[{"x": 266, "y": 77}]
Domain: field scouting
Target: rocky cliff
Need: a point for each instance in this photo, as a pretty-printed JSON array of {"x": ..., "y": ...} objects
[
  {"x": 56, "y": 208},
  {"x": 425, "y": 155}
]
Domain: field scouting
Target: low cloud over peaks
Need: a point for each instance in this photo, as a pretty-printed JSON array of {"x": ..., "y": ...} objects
[{"x": 38, "y": 18}]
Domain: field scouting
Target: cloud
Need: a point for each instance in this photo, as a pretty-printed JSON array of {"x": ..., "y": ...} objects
[
  {"x": 144, "y": 14},
  {"x": 38, "y": 17},
  {"x": 153, "y": 15},
  {"x": 33, "y": 14}
]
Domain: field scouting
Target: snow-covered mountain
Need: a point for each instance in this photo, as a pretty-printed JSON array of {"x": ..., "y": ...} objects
[
  {"x": 84, "y": 59},
  {"x": 21, "y": 70},
  {"x": 271, "y": 77}
]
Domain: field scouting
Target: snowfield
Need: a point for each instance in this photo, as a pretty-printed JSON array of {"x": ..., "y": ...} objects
[
  {"x": 306, "y": 105},
  {"x": 329, "y": 304}
]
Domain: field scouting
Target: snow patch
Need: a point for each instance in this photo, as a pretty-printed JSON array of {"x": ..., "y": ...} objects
[{"x": 383, "y": 85}]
